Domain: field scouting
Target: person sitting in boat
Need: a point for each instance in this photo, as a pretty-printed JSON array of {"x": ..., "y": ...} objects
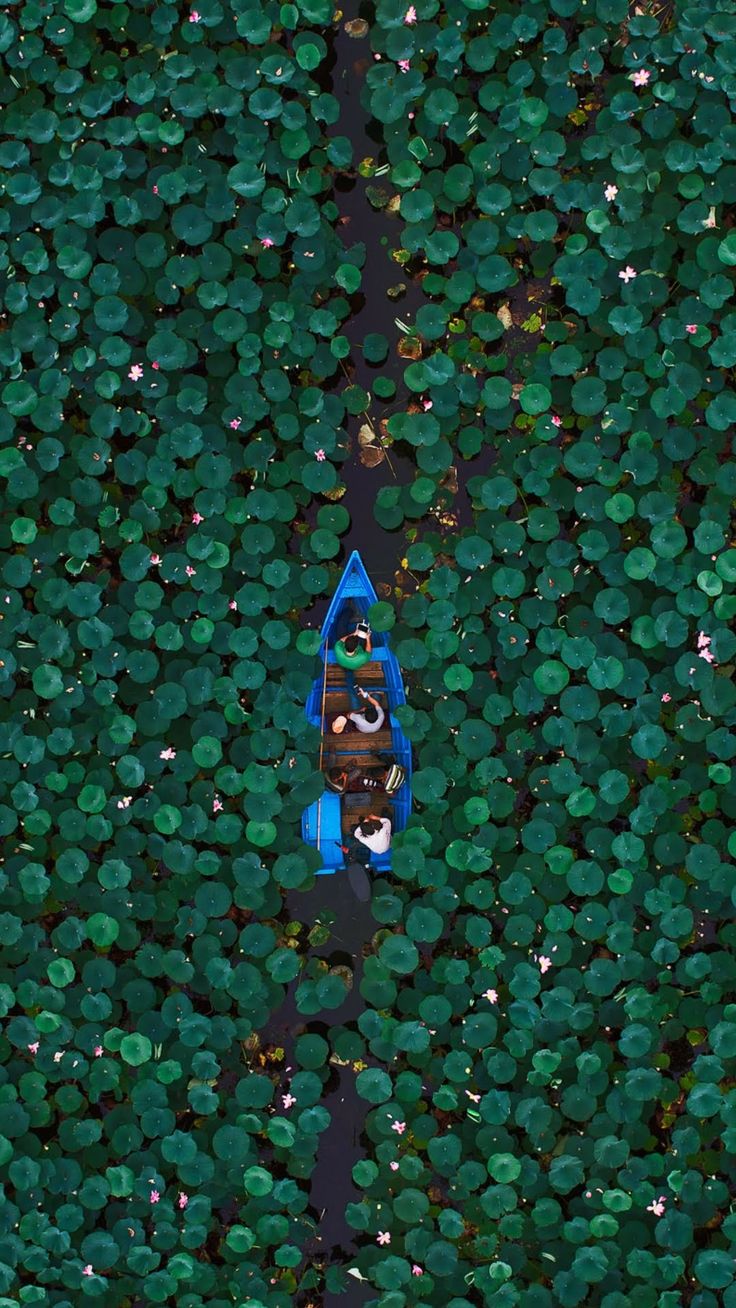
[
  {"x": 375, "y": 832},
  {"x": 354, "y": 650},
  {"x": 352, "y": 780},
  {"x": 368, "y": 722}
]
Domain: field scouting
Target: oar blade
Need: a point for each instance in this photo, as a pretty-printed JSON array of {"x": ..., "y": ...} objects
[{"x": 360, "y": 882}]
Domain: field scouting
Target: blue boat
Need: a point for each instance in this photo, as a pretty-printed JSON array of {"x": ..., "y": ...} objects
[{"x": 327, "y": 822}]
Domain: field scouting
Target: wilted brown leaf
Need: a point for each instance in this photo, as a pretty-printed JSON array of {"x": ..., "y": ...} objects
[
  {"x": 345, "y": 973},
  {"x": 366, "y": 435},
  {"x": 356, "y": 27},
  {"x": 504, "y": 315},
  {"x": 371, "y": 456},
  {"x": 377, "y": 196},
  {"x": 410, "y": 348}
]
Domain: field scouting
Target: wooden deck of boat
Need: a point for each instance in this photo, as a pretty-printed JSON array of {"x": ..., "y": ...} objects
[
  {"x": 370, "y": 672},
  {"x": 356, "y": 807},
  {"x": 355, "y": 746}
]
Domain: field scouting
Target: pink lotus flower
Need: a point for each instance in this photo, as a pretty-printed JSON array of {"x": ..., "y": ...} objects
[
  {"x": 657, "y": 1206},
  {"x": 320, "y": 456},
  {"x": 190, "y": 571},
  {"x": 183, "y": 1199},
  {"x": 235, "y": 423},
  {"x": 491, "y": 996},
  {"x": 417, "y": 1270},
  {"x": 475, "y": 1098},
  {"x": 99, "y": 1051},
  {"x": 411, "y": 15},
  {"x": 627, "y": 274},
  {"x": 640, "y": 77},
  {"x": 288, "y": 1099},
  {"x": 233, "y": 604},
  {"x": 394, "y": 1167},
  {"x": 194, "y": 17},
  {"x": 266, "y": 242},
  {"x": 691, "y": 328},
  {"x": 155, "y": 190},
  {"x": 426, "y": 405},
  {"x": 155, "y": 559},
  {"x": 168, "y": 752},
  {"x": 710, "y": 221},
  {"x": 88, "y": 1270},
  {"x": 197, "y": 517},
  {"x": 398, "y": 1127},
  {"x": 666, "y": 697},
  {"x": 217, "y": 806},
  {"x": 544, "y": 964},
  {"x": 611, "y": 191},
  {"x": 556, "y": 422},
  {"x": 125, "y": 802},
  {"x": 383, "y": 1237},
  {"x": 404, "y": 65},
  {"x": 155, "y": 365},
  {"x": 703, "y": 650},
  {"x": 58, "y": 1055},
  {"x": 34, "y": 1047},
  {"x": 155, "y": 1196},
  {"x": 136, "y": 372}
]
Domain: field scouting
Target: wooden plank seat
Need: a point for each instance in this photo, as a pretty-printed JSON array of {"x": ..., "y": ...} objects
[
  {"x": 369, "y": 674},
  {"x": 355, "y": 807},
  {"x": 357, "y": 743},
  {"x": 337, "y": 700}
]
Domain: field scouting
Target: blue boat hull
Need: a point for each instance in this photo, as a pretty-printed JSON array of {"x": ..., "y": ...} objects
[{"x": 321, "y": 822}]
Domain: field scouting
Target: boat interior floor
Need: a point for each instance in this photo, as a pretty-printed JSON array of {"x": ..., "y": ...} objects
[
  {"x": 355, "y": 744},
  {"x": 356, "y": 807},
  {"x": 370, "y": 673}
]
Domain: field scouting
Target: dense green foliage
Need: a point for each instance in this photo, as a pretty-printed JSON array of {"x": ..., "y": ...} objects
[{"x": 548, "y": 1042}]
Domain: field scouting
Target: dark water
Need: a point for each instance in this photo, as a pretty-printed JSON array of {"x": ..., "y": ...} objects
[
  {"x": 331, "y": 1185},
  {"x": 376, "y": 311},
  {"x": 379, "y": 232}
]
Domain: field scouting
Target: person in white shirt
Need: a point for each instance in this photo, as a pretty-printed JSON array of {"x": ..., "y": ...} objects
[
  {"x": 375, "y": 832},
  {"x": 368, "y": 722}
]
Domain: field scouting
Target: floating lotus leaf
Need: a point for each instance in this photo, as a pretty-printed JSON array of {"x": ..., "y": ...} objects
[{"x": 540, "y": 1016}]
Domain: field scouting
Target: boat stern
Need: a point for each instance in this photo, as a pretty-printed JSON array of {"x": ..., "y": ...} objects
[{"x": 321, "y": 830}]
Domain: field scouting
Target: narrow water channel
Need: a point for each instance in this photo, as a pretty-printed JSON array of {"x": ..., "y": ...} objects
[{"x": 331, "y": 1186}]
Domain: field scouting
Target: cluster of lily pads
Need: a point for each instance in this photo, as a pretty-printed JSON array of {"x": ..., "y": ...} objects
[{"x": 548, "y": 1045}]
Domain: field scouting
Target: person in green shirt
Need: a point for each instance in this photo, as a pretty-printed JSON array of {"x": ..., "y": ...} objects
[{"x": 352, "y": 652}]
